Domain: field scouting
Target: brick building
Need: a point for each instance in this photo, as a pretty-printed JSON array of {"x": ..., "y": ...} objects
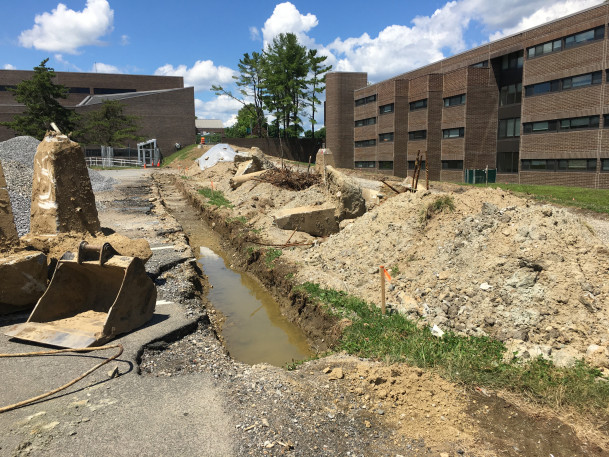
[
  {"x": 165, "y": 108},
  {"x": 534, "y": 105}
]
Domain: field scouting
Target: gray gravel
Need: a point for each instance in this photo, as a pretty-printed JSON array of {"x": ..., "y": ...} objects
[{"x": 17, "y": 159}]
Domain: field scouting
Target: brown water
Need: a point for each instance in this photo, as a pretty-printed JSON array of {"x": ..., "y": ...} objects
[{"x": 254, "y": 331}]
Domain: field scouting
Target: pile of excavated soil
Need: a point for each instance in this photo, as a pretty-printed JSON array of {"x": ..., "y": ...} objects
[
  {"x": 534, "y": 276},
  {"x": 498, "y": 265}
]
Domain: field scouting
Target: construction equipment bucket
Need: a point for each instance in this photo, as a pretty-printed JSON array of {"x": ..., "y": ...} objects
[{"x": 91, "y": 299}]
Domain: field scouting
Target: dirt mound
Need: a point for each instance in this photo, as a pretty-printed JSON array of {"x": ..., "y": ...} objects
[{"x": 289, "y": 179}]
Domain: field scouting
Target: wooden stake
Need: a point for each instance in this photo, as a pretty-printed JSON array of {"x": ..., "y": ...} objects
[
  {"x": 382, "y": 271},
  {"x": 426, "y": 172},
  {"x": 309, "y": 165}
]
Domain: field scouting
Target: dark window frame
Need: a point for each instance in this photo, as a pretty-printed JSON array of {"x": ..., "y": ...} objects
[
  {"x": 558, "y": 165},
  {"x": 604, "y": 166},
  {"x": 417, "y": 135},
  {"x": 386, "y": 109},
  {"x": 365, "y": 122},
  {"x": 451, "y": 165},
  {"x": 411, "y": 164},
  {"x": 515, "y": 131},
  {"x": 563, "y": 84},
  {"x": 507, "y": 98},
  {"x": 365, "y": 100},
  {"x": 362, "y": 163},
  {"x": 418, "y": 104},
  {"x": 386, "y": 137},
  {"x": 560, "y": 125},
  {"x": 383, "y": 165},
  {"x": 565, "y": 42},
  {"x": 110, "y": 91},
  {"x": 365, "y": 143},
  {"x": 455, "y": 100},
  {"x": 446, "y": 133},
  {"x": 507, "y": 162}
]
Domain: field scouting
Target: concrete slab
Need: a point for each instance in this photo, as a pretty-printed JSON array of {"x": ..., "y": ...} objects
[{"x": 314, "y": 220}]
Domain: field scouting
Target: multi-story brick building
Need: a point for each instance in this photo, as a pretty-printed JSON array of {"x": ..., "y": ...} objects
[
  {"x": 534, "y": 105},
  {"x": 164, "y": 107}
]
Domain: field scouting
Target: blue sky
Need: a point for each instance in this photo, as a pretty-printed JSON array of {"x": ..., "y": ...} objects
[{"x": 204, "y": 40}]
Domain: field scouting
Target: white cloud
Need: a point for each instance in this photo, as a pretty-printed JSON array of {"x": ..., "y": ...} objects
[
  {"x": 222, "y": 107},
  {"x": 99, "y": 67},
  {"x": 202, "y": 75},
  {"x": 287, "y": 19},
  {"x": 68, "y": 65},
  {"x": 66, "y": 30},
  {"x": 124, "y": 40},
  {"x": 254, "y": 33},
  {"x": 545, "y": 14},
  {"x": 8, "y": 66}
]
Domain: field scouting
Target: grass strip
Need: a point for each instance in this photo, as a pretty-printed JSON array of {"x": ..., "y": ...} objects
[
  {"x": 596, "y": 200},
  {"x": 475, "y": 361},
  {"x": 215, "y": 197},
  {"x": 179, "y": 155}
]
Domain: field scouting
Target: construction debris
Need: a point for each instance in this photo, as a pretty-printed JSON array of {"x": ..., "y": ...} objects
[
  {"x": 8, "y": 231},
  {"x": 314, "y": 220},
  {"x": 346, "y": 192},
  {"x": 94, "y": 296},
  {"x": 323, "y": 159},
  {"x": 23, "y": 280},
  {"x": 62, "y": 197}
]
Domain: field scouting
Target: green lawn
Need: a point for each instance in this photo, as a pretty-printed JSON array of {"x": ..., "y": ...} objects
[
  {"x": 591, "y": 199},
  {"x": 181, "y": 154}
]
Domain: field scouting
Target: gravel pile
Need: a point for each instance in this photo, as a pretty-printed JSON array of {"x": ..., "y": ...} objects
[{"x": 17, "y": 159}]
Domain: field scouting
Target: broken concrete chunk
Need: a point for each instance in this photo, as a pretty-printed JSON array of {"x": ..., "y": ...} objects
[
  {"x": 8, "y": 231},
  {"x": 244, "y": 168},
  {"x": 23, "y": 280},
  {"x": 324, "y": 158},
  {"x": 351, "y": 203},
  {"x": 314, "y": 220},
  {"x": 62, "y": 197}
]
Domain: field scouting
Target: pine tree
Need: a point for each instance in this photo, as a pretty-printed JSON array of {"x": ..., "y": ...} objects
[
  {"x": 108, "y": 126},
  {"x": 39, "y": 95}
]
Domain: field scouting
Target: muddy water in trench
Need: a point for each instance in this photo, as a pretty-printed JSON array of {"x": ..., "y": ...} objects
[{"x": 254, "y": 331}]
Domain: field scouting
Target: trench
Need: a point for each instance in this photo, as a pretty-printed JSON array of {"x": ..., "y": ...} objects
[{"x": 252, "y": 328}]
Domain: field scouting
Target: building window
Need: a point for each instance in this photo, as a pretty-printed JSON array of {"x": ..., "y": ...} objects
[
  {"x": 510, "y": 94},
  {"x": 385, "y": 109},
  {"x": 419, "y": 104},
  {"x": 363, "y": 122},
  {"x": 582, "y": 37},
  {"x": 454, "y": 101},
  {"x": 604, "y": 164},
  {"x": 483, "y": 64},
  {"x": 572, "y": 82},
  {"x": 4, "y": 88},
  {"x": 365, "y": 164},
  {"x": 417, "y": 135},
  {"x": 606, "y": 121},
  {"x": 452, "y": 165},
  {"x": 509, "y": 128},
  {"x": 385, "y": 165},
  {"x": 106, "y": 91},
  {"x": 365, "y": 100},
  {"x": 587, "y": 122},
  {"x": 573, "y": 165},
  {"x": 512, "y": 61},
  {"x": 79, "y": 90},
  {"x": 507, "y": 162},
  {"x": 569, "y": 41},
  {"x": 385, "y": 137},
  {"x": 411, "y": 164},
  {"x": 365, "y": 143},
  {"x": 453, "y": 133}
]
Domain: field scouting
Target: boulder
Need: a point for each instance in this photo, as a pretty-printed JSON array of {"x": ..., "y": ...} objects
[
  {"x": 315, "y": 220},
  {"x": 8, "y": 231},
  {"x": 324, "y": 158},
  {"x": 23, "y": 280},
  {"x": 62, "y": 197},
  {"x": 347, "y": 194}
]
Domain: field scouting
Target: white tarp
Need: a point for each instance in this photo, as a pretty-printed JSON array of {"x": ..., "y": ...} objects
[{"x": 221, "y": 152}]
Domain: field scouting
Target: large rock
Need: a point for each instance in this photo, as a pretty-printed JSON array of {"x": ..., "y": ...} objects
[
  {"x": 8, "y": 231},
  {"x": 62, "y": 198},
  {"x": 346, "y": 192},
  {"x": 324, "y": 158},
  {"x": 314, "y": 220},
  {"x": 23, "y": 280}
]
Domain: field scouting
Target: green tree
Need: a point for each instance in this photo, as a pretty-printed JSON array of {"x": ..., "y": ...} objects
[
  {"x": 286, "y": 66},
  {"x": 250, "y": 88},
  {"x": 108, "y": 126},
  {"x": 317, "y": 83},
  {"x": 246, "y": 120},
  {"x": 39, "y": 95},
  {"x": 321, "y": 133}
]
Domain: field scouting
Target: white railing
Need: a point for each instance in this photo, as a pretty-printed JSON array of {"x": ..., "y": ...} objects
[{"x": 112, "y": 162}]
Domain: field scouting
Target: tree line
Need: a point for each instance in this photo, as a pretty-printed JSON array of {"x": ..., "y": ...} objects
[{"x": 283, "y": 82}]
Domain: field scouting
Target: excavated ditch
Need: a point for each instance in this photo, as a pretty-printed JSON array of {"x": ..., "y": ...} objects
[{"x": 248, "y": 318}]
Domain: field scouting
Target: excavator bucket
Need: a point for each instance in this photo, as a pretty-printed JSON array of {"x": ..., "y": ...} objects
[{"x": 91, "y": 299}]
